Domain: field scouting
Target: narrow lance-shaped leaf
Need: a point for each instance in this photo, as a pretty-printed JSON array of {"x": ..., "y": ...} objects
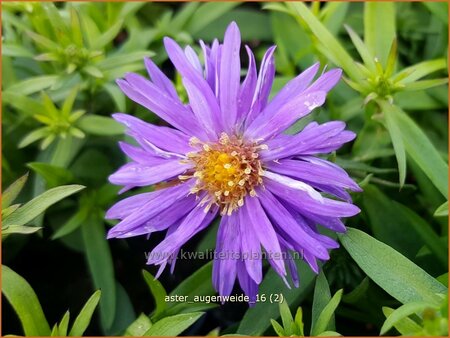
[
  {"x": 11, "y": 193},
  {"x": 403, "y": 312},
  {"x": 158, "y": 292},
  {"x": 397, "y": 142},
  {"x": 84, "y": 317},
  {"x": 379, "y": 34},
  {"x": 327, "y": 314},
  {"x": 393, "y": 272},
  {"x": 257, "y": 319},
  {"x": 442, "y": 210},
  {"x": 339, "y": 53},
  {"x": 101, "y": 267},
  {"x": 39, "y": 204},
  {"x": 406, "y": 326},
  {"x": 419, "y": 147},
  {"x": 322, "y": 297},
  {"x": 173, "y": 325},
  {"x": 25, "y": 303}
]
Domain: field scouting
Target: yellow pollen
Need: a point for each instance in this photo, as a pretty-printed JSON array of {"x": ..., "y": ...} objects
[{"x": 227, "y": 170}]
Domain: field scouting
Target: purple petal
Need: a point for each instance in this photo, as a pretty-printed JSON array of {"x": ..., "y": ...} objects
[
  {"x": 227, "y": 249},
  {"x": 127, "y": 206},
  {"x": 290, "y": 112},
  {"x": 187, "y": 71},
  {"x": 193, "y": 223},
  {"x": 312, "y": 136},
  {"x": 161, "y": 137},
  {"x": 229, "y": 78},
  {"x": 151, "y": 97},
  {"x": 313, "y": 172},
  {"x": 247, "y": 284},
  {"x": 302, "y": 201},
  {"x": 205, "y": 109},
  {"x": 326, "y": 81},
  {"x": 263, "y": 230},
  {"x": 285, "y": 221},
  {"x": 165, "y": 219},
  {"x": 139, "y": 175},
  {"x": 140, "y": 155},
  {"x": 250, "y": 247},
  {"x": 210, "y": 56},
  {"x": 157, "y": 202},
  {"x": 263, "y": 85},
  {"x": 192, "y": 56},
  {"x": 293, "y": 88},
  {"x": 160, "y": 79},
  {"x": 247, "y": 89},
  {"x": 332, "y": 223}
]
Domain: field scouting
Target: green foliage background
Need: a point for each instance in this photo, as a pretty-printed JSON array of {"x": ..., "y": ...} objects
[{"x": 59, "y": 64}]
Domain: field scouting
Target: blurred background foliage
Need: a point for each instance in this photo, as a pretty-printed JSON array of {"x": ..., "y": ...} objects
[{"x": 59, "y": 64}]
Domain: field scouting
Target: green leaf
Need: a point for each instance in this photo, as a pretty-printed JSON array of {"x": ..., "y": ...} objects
[
  {"x": 139, "y": 327},
  {"x": 100, "y": 125},
  {"x": 390, "y": 221},
  {"x": 158, "y": 292},
  {"x": 32, "y": 85},
  {"x": 403, "y": 312},
  {"x": 198, "y": 284},
  {"x": 64, "y": 324},
  {"x": 366, "y": 55},
  {"x": 93, "y": 71},
  {"x": 123, "y": 59},
  {"x": 43, "y": 41},
  {"x": 357, "y": 293},
  {"x": 23, "y": 103},
  {"x": 207, "y": 13},
  {"x": 442, "y": 211},
  {"x": 19, "y": 229},
  {"x": 125, "y": 314},
  {"x": 379, "y": 34},
  {"x": 419, "y": 147},
  {"x": 322, "y": 297},
  {"x": 34, "y": 136},
  {"x": 329, "y": 334},
  {"x": 84, "y": 317},
  {"x": 425, "y": 232},
  {"x": 25, "y": 303},
  {"x": 101, "y": 267},
  {"x": 52, "y": 174},
  {"x": 439, "y": 9},
  {"x": 326, "y": 315},
  {"x": 108, "y": 35},
  {"x": 424, "y": 84},
  {"x": 72, "y": 224},
  {"x": 327, "y": 39},
  {"x": 286, "y": 317},
  {"x": 278, "y": 328},
  {"x": 406, "y": 326},
  {"x": 15, "y": 51},
  {"x": 333, "y": 14},
  {"x": 117, "y": 96},
  {"x": 393, "y": 272},
  {"x": 39, "y": 204},
  {"x": 173, "y": 325},
  {"x": 299, "y": 322},
  {"x": 397, "y": 142},
  {"x": 69, "y": 101},
  {"x": 11, "y": 193},
  {"x": 419, "y": 70},
  {"x": 257, "y": 319}
]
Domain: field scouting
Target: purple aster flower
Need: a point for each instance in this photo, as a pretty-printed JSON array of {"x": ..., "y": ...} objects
[{"x": 227, "y": 154}]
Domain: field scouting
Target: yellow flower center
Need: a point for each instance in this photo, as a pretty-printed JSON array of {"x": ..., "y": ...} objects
[{"x": 227, "y": 170}]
